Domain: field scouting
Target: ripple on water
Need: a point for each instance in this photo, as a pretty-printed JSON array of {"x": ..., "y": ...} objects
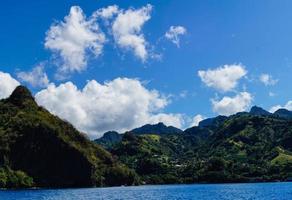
[{"x": 248, "y": 191}]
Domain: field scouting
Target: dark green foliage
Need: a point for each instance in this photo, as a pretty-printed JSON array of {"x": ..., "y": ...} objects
[
  {"x": 283, "y": 113},
  {"x": 14, "y": 179},
  {"x": 121, "y": 175},
  {"x": 255, "y": 110},
  {"x": 49, "y": 150},
  {"x": 38, "y": 149},
  {"x": 212, "y": 122},
  {"x": 241, "y": 148},
  {"x": 109, "y": 139}
]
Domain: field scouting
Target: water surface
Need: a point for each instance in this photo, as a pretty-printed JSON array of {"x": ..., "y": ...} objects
[{"x": 250, "y": 191}]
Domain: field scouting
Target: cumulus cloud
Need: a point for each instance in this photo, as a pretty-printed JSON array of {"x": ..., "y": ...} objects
[
  {"x": 120, "y": 104},
  {"x": 287, "y": 106},
  {"x": 268, "y": 80},
  {"x": 106, "y": 13},
  {"x": 174, "y": 33},
  {"x": 7, "y": 85},
  {"x": 170, "y": 119},
  {"x": 73, "y": 38},
  {"x": 224, "y": 78},
  {"x": 37, "y": 77},
  {"x": 127, "y": 27},
  {"x": 197, "y": 119},
  {"x": 231, "y": 105}
]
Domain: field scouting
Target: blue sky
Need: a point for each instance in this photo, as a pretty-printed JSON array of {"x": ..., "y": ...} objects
[{"x": 254, "y": 35}]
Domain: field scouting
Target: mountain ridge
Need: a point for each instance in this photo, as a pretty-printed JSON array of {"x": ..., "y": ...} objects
[
  {"x": 41, "y": 150},
  {"x": 244, "y": 147},
  {"x": 38, "y": 149}
]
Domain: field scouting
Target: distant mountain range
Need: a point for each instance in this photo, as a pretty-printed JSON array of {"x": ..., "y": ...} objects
[
  {"x": 245, "y": 147},
  {"x": 38, "y": 149},
  {"x": 112, "y": 137}
]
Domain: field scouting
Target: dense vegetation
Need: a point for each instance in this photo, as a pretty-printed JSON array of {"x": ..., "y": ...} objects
[
  {"x": 245, "y": 147},
  {"x": 38, "y": 149}
]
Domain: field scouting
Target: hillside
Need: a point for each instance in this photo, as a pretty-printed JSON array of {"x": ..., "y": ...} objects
[
  {"x": 37, "y": 149},
  {"x": 111, "y": 138},
  {"x": 245, "y": 147}
]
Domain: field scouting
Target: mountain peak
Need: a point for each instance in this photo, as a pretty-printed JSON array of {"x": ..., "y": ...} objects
[
  {"x": 21, "y": 96},
  {"x": 112, "y": 135},
  {"x": 284, "y": 113},
  {"x": 159, "y": 129},
  {"x": 215, "y": 121},
  {"x": 255, "y": 110}
]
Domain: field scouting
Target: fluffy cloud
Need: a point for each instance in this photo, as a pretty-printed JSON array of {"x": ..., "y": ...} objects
[
  {"x": 174, "y": 33},
  {"x": 121, "y": 104},
  {"x": 170, "y": 119},
  {"x": 106, "y": 13},
  {"x": 232, "y": 105},
  {"x": 287, "y": 106},
  {"x": 223, "y": 78},
  {"x": 197, "y": 119},
  {"x": 77, "y": 37},
  {"x": 73, "y": 38},
  {"x": 7, "y": 85},
  {"x": 37, "y": 77},
  {"x": 126, "y": 30},
  {"x": 267, "y": 79}
]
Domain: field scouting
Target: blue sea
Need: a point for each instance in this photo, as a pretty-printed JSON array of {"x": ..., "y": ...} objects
[{"x": 250, "y": 191}]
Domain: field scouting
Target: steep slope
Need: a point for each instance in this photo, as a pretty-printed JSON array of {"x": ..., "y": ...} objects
[
  {"x": 51, "y": 152},
  {"x": 255, "y": 110},
  {"x": 283, "y": 113},
  {"x": 213, "y": 122},
  {"x": 154, "y": 157},
  {"x": 109, "y": 139},
  {"x": 241, "y": 148},
  {"x": 248, "y": 145}
]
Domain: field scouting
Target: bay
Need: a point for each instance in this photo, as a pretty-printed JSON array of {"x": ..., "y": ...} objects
[{"x": 245, "y": 191}]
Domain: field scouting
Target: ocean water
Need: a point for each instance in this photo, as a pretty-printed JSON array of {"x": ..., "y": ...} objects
[{"x": 250, "y": 191}]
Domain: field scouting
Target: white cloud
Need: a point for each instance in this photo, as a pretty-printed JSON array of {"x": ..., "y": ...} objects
[
  {"x": 37, "y": 77},
  {"x": 73, "y": 38},
  {"x": 267, "y": 79},
  {"x": 120, "y": 104},
  {"x": 174, "y": 33},
  {"x": 287, "y": 106},
  {"x": 197, "y": 119},
  {"x": 7, "y": 85},
  {"x": 231, "y": 105},
  {"x": 126, "y": 30},
  {"x": 169, "y": 119},
  {"x": 223, "y": 78},
  {"x": 106, "y": 13}
]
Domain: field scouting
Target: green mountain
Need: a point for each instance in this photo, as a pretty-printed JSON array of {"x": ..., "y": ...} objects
[
  {"x": 38, "y": 149},
  {"x": 109, "y": 139},
  {"x": 245, "y": 147},
  {"x": 255, "y": 110},
  {"x": 159, "y": 129},
  {"x": 283, "y": 113}
]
